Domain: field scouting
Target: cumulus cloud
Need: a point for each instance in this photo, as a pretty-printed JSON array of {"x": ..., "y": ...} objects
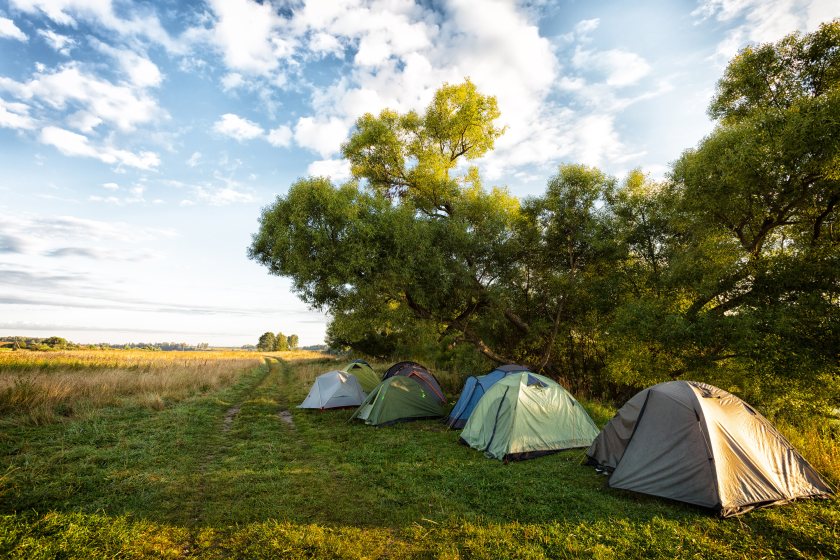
[
  {"x": 321, "y": 135},
  {"x": 15, "y": 115},
  {"x": 72, "y": 144},
  {"x": 249, "y": 35},
  {"x": 238, "y": 127},
  {"x": 336, "y": 169},
  {"x": 61, "y": 44},
  {"x": 194, "y": 159},
  {"x": 9, "y": 30},
  {"x": 763, "y": 21},
  {"x": 280, "y": 137},
  {"x": 618, "y": 67},
  {"x": 122, "y": 105},
  {"x": 130, "y": 23},
  {"x": 141, "y": 71}
]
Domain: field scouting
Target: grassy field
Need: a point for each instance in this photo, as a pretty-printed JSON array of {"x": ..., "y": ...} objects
[{"x": 233, "y": 470}]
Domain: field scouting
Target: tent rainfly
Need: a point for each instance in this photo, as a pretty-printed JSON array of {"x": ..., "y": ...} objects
[
  {"x": 695, "y": 443},
  {"x": 399, "y": 399},
  {"x": 364, "y": 373},
  {"x": 334, "y": 389},
  {"x": 474, "y": 389},
  {"x": 526, "y": 415},
  {"x": 422, "y": 376}
]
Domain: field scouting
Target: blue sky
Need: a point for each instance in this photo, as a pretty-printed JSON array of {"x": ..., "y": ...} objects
[{"x": 139, "y": 140}]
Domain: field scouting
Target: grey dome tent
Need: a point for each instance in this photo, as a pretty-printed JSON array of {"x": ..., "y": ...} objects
[
  {"x": 334, "y": 389},
  {"x": 695, "y": 443},
  {"x": 526, "y": 415}
]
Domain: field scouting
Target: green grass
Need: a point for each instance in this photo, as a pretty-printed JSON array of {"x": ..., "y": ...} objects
[{"x": 222, "y": 475}]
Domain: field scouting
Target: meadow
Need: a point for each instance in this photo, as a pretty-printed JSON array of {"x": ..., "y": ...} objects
[{"x": 224, "y": 466}]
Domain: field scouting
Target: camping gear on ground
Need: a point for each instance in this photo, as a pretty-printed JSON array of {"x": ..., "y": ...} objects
[
  {"x": 695, "y": 443},
  {"x": 526, "y": 415},
  {"x": 364, "y": 373},
  {"x": 474, "y": 389},
  {"x": 399, "y": 399},
  {"x": 334, "y": 389},
  {"x": 418, "y": 372}
]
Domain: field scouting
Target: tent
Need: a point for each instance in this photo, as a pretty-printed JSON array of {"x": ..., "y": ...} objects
[
  {"x": 364, "y": 373},
  {"x": 418, "y": 372},
  {"x": 695, "y": 443},
  {"x": 334, "y": 389},
  {"x": 474, "y": 389},
  {"x": 392, "y": 371},
  {"x": 526, "y": 415},
  {"x": 399, "y": 399}
]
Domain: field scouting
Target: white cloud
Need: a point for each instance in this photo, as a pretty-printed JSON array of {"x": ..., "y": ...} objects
[
  {"x": 322, "y": 136},
  {"x": 9, "y": 30},
  {"x": 194, "y": 160},
  {"x": 15, "y": 115},
  {"x": 587, "y": 26},
  {"x": 249, "y": 35},
  {"x": 121, "y": 105},
  {"x": 140, "y": 71},
  {"x": 763, "y": 21},
  {"x": 232, "y": 80},
  {"x": 72, "y": 144},
  {"x": 111, "y": 186},
  {"x": 237, "y": 127},
  {"x": 130, "y": 23},
  {"x": 62, "y": 44},
  {"x": 335, "y": 169},
  {"x": 323, "y": 43},
  {"x": 619, "y": 67},
  {"x": 219, "y": 196},
  {"x": 280, "y": 137},
  {"x": 134, "y": 195}
]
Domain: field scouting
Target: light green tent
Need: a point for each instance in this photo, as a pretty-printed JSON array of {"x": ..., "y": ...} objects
[
  {"x": 398, "y": 399},
  {"x": 364, "y": 374},
  {"x": 526, "y": 415}
]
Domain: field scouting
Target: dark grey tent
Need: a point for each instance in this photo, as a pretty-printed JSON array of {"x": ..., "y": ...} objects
[{"x": 695, "y": 443}]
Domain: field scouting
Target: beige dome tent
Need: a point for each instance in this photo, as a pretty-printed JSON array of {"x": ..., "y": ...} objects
[{"x": 695, "y": 443}]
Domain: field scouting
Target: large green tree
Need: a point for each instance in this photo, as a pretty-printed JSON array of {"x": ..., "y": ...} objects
[{"x": 749, "y": 242}]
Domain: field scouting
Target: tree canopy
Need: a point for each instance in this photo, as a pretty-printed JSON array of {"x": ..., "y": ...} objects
[{"x": 727, "y": 271}]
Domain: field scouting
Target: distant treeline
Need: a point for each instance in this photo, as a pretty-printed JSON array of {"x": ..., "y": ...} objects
[{"x": 59, "y": 343}]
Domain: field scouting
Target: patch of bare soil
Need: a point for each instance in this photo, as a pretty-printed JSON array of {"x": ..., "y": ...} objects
[
  {"x": 229, "y": 416},
  {"x": 286, "y": 417}
]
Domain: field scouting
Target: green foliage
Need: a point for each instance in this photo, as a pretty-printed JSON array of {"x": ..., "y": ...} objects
[
  {"x": 281, "y": 342},
  {"x": 726, "y": 272},
  {"x": 293, "y": 341},
  {"x": 267, "y": 342}
]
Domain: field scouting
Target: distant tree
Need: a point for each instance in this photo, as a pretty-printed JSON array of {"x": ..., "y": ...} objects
[
  {"x": 281, "y": 343},
  {"x": 293, "y": 342},
  {"x": 56, "y": 342},
  {"x": 267, "y": 342}
]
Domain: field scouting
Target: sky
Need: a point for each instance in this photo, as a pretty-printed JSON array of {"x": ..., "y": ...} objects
[{"x": 139, "y": 141}]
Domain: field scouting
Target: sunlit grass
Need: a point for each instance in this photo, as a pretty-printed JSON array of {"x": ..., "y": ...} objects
[
  {"x": 42, "y": 387},
  {"x": 220, "y": 474}
]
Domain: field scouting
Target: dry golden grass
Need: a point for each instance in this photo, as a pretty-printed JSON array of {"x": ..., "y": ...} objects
[{"x": 40, "y": 387}]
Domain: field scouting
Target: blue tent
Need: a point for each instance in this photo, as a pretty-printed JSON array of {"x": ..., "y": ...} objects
[{"x": 474, "y": 389}]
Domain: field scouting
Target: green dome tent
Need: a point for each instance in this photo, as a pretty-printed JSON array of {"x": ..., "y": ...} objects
[
  {"x": 398, "y": 399},
  {"x": 526, "y": 415},
  {"x": 364, "y": 374}
]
